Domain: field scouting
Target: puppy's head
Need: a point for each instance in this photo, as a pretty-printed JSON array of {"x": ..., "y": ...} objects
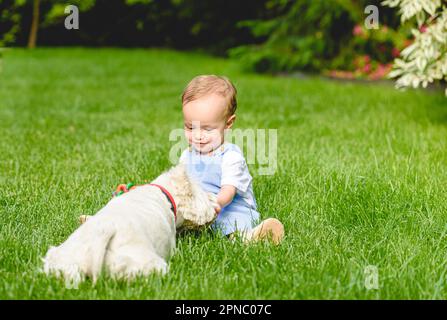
[
  {"x": 202, "y": 213},
  {"x": 195, "y": 207}
]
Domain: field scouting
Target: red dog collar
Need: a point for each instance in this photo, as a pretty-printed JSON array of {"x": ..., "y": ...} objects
[{"x": 168, "y": 195}]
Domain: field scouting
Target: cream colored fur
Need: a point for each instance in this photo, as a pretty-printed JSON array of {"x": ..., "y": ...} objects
[{"x": 134, "y": 234}]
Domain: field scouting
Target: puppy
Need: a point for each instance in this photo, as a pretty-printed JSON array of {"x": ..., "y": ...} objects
[{"x": 134, "y": 234}]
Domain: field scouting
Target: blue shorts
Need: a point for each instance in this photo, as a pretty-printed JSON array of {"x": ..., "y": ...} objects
[{"x": 229, "y": 221}]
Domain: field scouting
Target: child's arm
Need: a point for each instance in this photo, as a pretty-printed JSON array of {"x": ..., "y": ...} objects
[{"x": 226, "y": 195}]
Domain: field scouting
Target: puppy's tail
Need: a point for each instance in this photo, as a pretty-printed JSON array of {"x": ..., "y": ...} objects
[{"x": 82, "y": 254}]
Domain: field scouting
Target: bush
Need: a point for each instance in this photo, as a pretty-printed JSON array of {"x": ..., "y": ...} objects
[
  {"x": 180, "y": 24},
  {"x": 322, "y": 35},
  {"x": 425, "y": 59},
  {"x": 9, "y": 20},
  {"x": 302, "y": 35}
]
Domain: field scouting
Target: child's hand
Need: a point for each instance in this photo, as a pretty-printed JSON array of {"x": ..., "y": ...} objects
[{"x": 213, "y": 199}]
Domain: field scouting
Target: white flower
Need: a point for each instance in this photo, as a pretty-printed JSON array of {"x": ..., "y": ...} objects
[{"x": 425, "y": 60}]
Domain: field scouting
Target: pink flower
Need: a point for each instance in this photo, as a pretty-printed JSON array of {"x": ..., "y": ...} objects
[
  {"x": 347, "y": 75},
  {"x": 423, "y": 28},
  {"x": 381, "y": 71},
  {"x": 366, "y": 68},
  {"x": 357, "y": 31},
  {"x": 341, "y": 74}
]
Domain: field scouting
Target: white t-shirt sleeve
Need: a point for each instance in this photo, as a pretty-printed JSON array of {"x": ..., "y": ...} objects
[{"x": 235, "y": 171}]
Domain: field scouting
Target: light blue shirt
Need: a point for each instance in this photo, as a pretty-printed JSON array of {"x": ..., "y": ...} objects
[{"x": 225, "y": 166}]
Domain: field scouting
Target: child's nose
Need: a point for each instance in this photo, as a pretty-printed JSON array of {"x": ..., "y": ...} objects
[{"x": 197, "y": 134}]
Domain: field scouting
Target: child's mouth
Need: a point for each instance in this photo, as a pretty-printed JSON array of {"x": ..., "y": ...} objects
[{"x": 201, "y": 146}]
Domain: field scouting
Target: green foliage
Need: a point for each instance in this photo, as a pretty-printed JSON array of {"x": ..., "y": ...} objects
[
  {"x": 10, "y": 19},
  {"x": 57, "y": 9},
  {"x": 209, "y": 25},
  {"x": 320, "y": 35},
  {"x": 301, "y": 35}
]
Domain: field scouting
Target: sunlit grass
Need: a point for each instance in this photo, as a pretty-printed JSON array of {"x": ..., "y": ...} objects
[{"x": 361, "y": 177}]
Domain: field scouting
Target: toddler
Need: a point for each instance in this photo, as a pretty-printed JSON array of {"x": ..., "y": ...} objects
[{"x": 209, "y": 105}]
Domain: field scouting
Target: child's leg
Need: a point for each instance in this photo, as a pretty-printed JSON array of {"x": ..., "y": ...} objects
[
  {"x": 269, "y": 229},
  {"x": 238, "y": 223}
]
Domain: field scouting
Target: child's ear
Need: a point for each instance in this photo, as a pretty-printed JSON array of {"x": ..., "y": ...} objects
[{"x": 230, "y": 121}]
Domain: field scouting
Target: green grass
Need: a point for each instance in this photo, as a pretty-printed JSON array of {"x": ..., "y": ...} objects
[{"x": 361, "y": 177}]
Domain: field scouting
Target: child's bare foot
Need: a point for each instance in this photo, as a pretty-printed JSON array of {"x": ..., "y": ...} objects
[
  {"x": 269, "y": 229},
  {"x": 84, "y": 218}
]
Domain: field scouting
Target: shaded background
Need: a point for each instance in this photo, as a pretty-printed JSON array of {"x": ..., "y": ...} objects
[{"x": 326, "y": 36}]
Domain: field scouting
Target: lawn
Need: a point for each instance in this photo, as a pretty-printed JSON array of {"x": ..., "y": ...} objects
[{"x": 361, "y": 178}]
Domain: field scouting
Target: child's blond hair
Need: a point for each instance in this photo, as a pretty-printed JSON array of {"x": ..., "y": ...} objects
[{"x": 207, "y": 84}]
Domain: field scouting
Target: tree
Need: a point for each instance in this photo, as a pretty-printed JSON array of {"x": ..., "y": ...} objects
[
  {"x": 424, "y": 61},
  {"x": 34, "y": 25}
]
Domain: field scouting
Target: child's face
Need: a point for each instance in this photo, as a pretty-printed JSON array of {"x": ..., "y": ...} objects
[{"x": 205, "y": 122}]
